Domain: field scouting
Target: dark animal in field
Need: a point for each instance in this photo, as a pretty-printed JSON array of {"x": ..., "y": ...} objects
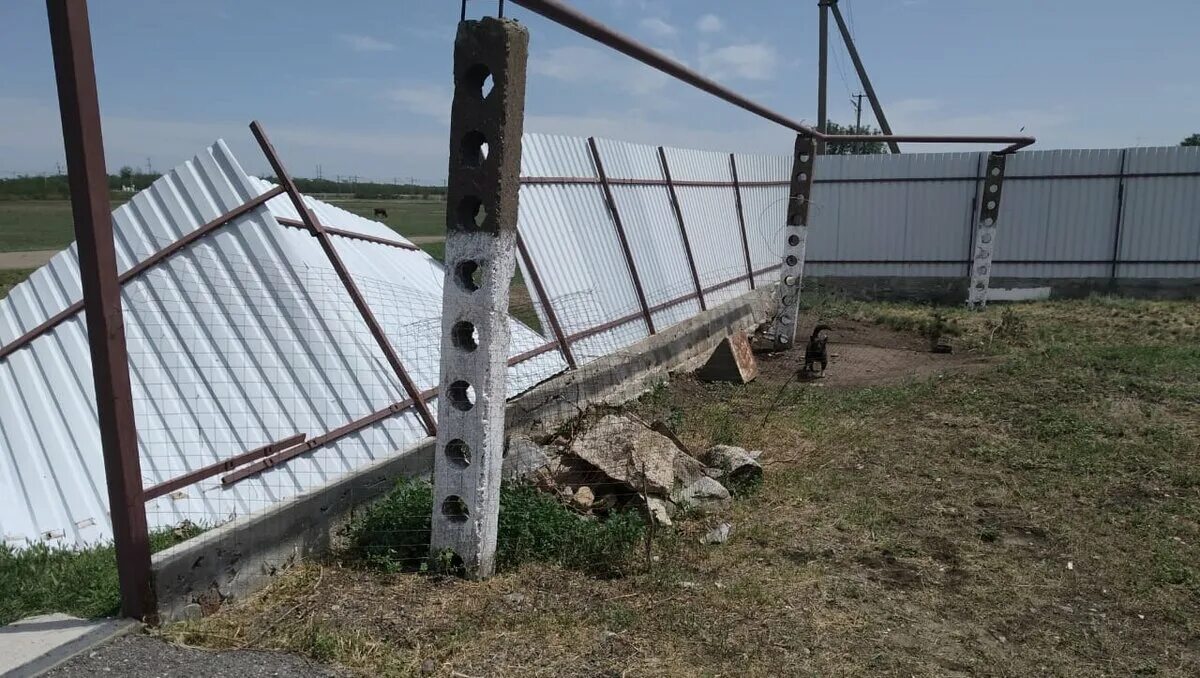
[
  {"x": 380, "y": 212},
  {"x": 816, "y": 351}
]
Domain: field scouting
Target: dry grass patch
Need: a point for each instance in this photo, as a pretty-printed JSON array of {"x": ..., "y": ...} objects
[{"x": 1035, "y": 514}]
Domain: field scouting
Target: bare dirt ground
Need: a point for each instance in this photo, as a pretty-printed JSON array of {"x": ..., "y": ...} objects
[
  {"x": 1029, "y": 505},
  {"x": 29, "y": 259}
]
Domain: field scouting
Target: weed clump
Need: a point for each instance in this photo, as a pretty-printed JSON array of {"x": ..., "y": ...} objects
[{"x": 394, "y": 534}]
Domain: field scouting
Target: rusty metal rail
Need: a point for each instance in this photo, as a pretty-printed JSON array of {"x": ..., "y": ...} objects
[
  {"x": 335, "y": 259},
  {"x": 568, "y": 17}
]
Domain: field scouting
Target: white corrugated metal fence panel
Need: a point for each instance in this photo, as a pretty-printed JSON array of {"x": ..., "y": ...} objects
[{"x": 245, "y": 337}]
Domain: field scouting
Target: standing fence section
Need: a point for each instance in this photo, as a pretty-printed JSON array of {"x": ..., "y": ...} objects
[
  {"x": 628, "y": 239},
  {"x": 1068, "y": 214}
]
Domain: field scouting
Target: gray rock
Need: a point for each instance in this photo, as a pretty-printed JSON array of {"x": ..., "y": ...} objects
[
  {"x": 629, "y": 453},
  {"x": 738, "y": 465},
  {"x": 705, "y": 495},
  {"x": 718, "y": 535},
  {"x": 523, "y": 458},
  {"x": 659, "y": 511}
]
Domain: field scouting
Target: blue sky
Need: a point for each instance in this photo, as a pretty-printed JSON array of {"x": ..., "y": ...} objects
[{"x": 363, "y": 87}]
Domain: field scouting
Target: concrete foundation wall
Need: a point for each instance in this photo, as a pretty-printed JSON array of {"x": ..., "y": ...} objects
[
  {"x": 953, "y": 291},
  {"x": 241, "y": 557}
]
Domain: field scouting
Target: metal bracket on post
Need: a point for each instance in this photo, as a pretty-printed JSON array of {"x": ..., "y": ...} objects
[
  {"x": 985, "y": 231},
  {"x": 795, "y": 238},
  {"x": 481, "y": 235}
]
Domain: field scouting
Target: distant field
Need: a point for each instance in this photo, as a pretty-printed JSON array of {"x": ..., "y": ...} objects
[
  {"x": 35, "y": 225},
  {"x": 406, "y": 217},
  {"x": 46, "y": 224},
  {"x": 8, "y": 279}
]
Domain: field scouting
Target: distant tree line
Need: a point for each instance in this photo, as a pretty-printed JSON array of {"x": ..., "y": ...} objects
[
  {"x": 1193, "y": 140},
  {"x": 367, "y": 190},
  {"x": 853, "y": 147},
  {"x": 55, "y": 187}
]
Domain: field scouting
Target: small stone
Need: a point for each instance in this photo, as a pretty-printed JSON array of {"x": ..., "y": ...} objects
[
  {"x": 659, "y": 511},
  {"x": 1070, "y": 565},
  {"x": 705, "y": 495},
  {"x": 688, "y": 585},
  {"x": 740, "y": 467},
  {"x": 515, "y": 598},
  {"x": 428, "y": 667},
  {"x": 718, "y": 535},
  {"x": 583, "y": 498}
]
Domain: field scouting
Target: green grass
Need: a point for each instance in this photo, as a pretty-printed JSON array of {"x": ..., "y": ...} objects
[
  {"x": 47, "y": 224},
  {"x": 406, "y": 217},
  {"x": 42, "y": 579},
  {"x": 394, "y": 534},
  {"x": 35, "y": 225},
  {"x": 10, "y": 277}
]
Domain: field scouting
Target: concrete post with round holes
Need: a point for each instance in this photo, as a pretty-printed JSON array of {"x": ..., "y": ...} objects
[
  {"x": 985, "y": 232},
  {"x": 481, "y": 229},
  {"x": 795, "y": 237}
]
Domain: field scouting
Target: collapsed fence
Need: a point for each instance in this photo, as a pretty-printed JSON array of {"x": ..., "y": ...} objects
[{"x": 479, "y": 183}]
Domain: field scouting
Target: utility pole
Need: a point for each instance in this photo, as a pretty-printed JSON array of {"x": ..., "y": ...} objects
[
  {"x": 856, "y": 102},
  {"x": 862, "y": 75},
  {"x": 823, "y": 74}
]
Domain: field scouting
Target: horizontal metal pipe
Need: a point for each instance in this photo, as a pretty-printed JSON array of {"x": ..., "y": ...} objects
[
  {"x": 220, "y": 467},
  {"x": 296, "y": 223},
  {"x": 552, "y": 181},
  {"x": 568, "y": 17}
]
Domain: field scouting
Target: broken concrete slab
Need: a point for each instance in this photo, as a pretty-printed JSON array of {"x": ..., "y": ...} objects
[
  {"x": 629, "y": 453},
  {"x": 523, "y": 458},
  {"x": 731, "y": 361},
  {"x": 36, "y": 644}
]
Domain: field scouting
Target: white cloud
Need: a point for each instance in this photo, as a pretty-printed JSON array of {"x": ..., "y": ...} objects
[
  {"x": 751, "y": 61},
  {"x": 658, "y": 27},
  {"x": 710, "y": 23},
  {"x": 583, "y": 65},
  {"x": 429, "y": 100},
  {"x": 366, "y": 43}
]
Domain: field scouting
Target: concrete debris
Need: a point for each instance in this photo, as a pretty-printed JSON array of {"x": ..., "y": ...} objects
[
  {"x": 659, "y": 511},
  {"x": 731, "y": 361},
  {"x": 704, "y": 496},
  {"x": 629, "y": 453},
  {"x": 738, "y": 466},
  {"x": 523, "y": 458},
  {"x": 718, "y": 535}
]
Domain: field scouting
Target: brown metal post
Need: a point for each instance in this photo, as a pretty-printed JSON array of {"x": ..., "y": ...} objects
[
  {"x": 687, "y": 243},
  {"x": 563, "y": 345},
  {"x": 625, "y": 249},
  {"x": 737, "y": 196},
  {"x": 862, "y": 75},
  {"x": 79, "y": 106},
  {"x": 310, "y": 220}
]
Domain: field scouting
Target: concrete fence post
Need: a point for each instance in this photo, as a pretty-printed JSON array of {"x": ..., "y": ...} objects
[
  {"x": 486, "y": 122},
  {"x": 795, "y": 238},
  {"x": 985, "y": 232}
]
